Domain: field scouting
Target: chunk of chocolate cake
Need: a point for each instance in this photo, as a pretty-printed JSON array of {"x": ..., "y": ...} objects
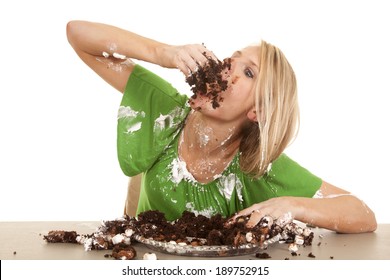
[
  {"x": 123, "y": 252},
  {"x": 210, "y": 80},
  {"x": 61, "y": 236}
]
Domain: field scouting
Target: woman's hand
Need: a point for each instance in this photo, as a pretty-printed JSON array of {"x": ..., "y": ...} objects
[
  {"x": 333, "y": 209},
  {"x": 186, "y": 58},
  {"x": 274, "y": 207}
]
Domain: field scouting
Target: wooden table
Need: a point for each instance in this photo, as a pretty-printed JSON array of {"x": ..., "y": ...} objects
[{"x": 24, "y": 241}]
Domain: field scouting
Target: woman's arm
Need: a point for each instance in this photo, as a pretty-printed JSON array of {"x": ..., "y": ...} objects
[
  {"x": 108, "y": 51},
  {"x": 335, "y": 209},
  {"x": 96, "y": 44}
]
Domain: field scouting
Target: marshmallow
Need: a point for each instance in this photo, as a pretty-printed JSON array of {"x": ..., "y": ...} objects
[{"x": 149, "y": 256}]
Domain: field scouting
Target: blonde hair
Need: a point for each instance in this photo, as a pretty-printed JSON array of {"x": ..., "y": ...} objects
[{"x": 277, "y": 112}]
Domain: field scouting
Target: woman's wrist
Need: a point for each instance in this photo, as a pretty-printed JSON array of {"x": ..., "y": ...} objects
[
  {"x": 297, "y": 207},
  {"x": 162, "y": 55}
]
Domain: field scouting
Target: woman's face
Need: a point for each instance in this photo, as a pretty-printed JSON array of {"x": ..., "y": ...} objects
[{"x": 238, "y": 99}]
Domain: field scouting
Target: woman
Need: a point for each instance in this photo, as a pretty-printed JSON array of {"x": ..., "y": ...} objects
[{"x": 210, "y": 160}]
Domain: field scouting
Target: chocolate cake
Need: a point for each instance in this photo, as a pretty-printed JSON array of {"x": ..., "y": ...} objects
[
  {"x": 199, "y": 230},
  {"x": 61, "y": 236},
  {"x": 122, "y": 251},
  {"x": 188, "y": 230},
  {"x": 210, "y": 80},
  {"x": 115, "y": 235}
]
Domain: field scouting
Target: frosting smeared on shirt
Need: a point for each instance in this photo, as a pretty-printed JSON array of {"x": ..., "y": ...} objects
[
  {"x": 179, "y": 172},
  {"x": 131, "y": 117},
  {"x": 227, "y": 184}
]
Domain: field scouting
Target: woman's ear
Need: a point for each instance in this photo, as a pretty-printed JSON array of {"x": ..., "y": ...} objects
[{"x": 252, "y": 115}]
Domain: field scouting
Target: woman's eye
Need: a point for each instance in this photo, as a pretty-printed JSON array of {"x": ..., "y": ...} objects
[{"x": 249, "y": 73}]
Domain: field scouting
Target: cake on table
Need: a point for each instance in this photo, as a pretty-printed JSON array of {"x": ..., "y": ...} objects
[{"x": 190, "y": 231}]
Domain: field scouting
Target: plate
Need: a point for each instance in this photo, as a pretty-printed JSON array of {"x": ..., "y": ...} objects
[{"x": 183, "y": 249}]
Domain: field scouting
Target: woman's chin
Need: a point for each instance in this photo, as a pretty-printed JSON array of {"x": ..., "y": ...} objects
[{"x": 203, "y": 104}]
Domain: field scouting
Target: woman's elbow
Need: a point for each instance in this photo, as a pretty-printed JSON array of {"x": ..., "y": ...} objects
[
  {"x": 72, "y": 27},
  {"x": 372, "y": 224},
  {"x": 366, "y": 224}
]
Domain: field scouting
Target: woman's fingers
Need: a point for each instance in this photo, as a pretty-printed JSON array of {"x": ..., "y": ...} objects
[
  {"x": 243, "y": 213},
  {"x": 190, "y": 57},
  {"x": 254, "y": 218},
  {"x": 186, "y": 62}
]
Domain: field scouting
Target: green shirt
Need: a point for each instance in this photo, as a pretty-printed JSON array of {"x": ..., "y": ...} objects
[{"x": 150, "y": 119}]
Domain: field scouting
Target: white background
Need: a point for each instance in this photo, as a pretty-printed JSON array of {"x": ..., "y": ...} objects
[{"x": 58, "y": 119}]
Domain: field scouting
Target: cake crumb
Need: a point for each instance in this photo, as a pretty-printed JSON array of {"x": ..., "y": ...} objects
[
  {"x": 310, "y": 255},
  {"x": 263, "y": 255},
  {"x": 122, "y": 251}
]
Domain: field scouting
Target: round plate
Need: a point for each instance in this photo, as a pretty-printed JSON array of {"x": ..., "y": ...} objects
[{"x": 198, "y": 251}]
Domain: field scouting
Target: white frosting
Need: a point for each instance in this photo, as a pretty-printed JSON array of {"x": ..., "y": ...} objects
[
  {"x": 149, "y": 256},
  {"x": 208, "y": 212},
  {"x": 80, "y": 239},
  {"x": 228, "y": 183},
  {"x": 134, "y": 127},
  {"x": 160, "y": 121},
  {"x": 172, "y": 119},
  {"x": 88, "y": 244},
  {"x": 298, "y": 230},
  {"x": 299, "y": 240},
  {"x": 267, "y": 221},
  {"x": 171, "y": 247},
  {"x": 249, "y": 236},
  {"x": 119, "y": 56},
  {"x": 128, "y": 112},
  {"x": 117, "y": 239},
  {"x": 106, "y": 54},
  {"x": 338, "y": 195},
  {"x": 231, "y": 130},
  {"x": 293, "y": 247},
  {"x": 269, "y": 167},
  {"x": 127, "y": 240},
  {"x": 284, "y": 219},
  {"x": 274, "y": 239},
  {"x": 179, "y": 172},
  {"x": 129, "y": 232},
  {"x": 205, "y": 133},
  {"x": 318, "y": 194}
]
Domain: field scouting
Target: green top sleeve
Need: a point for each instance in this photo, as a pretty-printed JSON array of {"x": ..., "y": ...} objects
[
  {"x": 148, "y": 119},
  {"x": 285, "y": 178}
]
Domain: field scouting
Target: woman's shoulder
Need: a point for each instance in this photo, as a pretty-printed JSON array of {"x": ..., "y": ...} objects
[{"x": 142, "y": 81}]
